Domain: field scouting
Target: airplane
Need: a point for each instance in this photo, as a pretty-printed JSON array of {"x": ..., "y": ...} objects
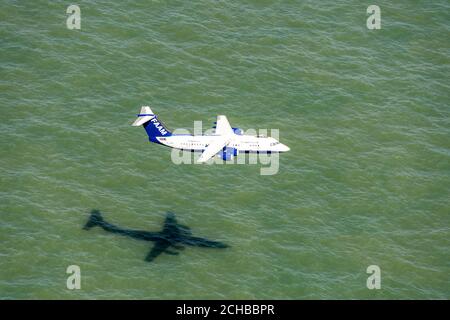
[
  {"x": 173, "y": 235},
  {"x": 226, "y": 142}
]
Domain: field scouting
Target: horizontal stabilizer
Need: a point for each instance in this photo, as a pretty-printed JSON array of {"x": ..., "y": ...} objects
[
  {"x": 145, "y": 115},
  {"x": 141, "y": 120}
]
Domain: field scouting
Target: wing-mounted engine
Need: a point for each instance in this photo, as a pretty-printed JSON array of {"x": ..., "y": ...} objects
[
  {"x": 238, "y": 131},
  {"x": 227, "y": 153}
]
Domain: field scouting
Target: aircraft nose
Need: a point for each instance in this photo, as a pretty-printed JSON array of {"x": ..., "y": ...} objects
[{"x": 284, "y": 148}]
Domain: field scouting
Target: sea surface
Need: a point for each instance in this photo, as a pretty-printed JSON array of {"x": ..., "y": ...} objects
[{"x": 365, "y": 112}]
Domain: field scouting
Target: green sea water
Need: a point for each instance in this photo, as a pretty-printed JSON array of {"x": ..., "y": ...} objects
[{"x": 365, "y": 113}]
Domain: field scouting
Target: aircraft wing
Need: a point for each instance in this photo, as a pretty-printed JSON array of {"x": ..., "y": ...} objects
[
  {"x": 158, "y": 248},
  {"x": 223, "y": 126},
  {"x": 214, "y": 147}
]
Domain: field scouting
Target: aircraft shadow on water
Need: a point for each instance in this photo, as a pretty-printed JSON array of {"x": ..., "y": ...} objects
[{"x": 173, "y": 235}]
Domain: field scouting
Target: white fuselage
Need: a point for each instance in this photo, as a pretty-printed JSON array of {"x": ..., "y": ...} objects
[{"x": 242, "y": 143}]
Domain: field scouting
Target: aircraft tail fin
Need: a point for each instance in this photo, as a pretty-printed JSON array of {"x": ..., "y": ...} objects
[
  {"x": 152, "y": 125},
  {"x": 95, "y": 219}
]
